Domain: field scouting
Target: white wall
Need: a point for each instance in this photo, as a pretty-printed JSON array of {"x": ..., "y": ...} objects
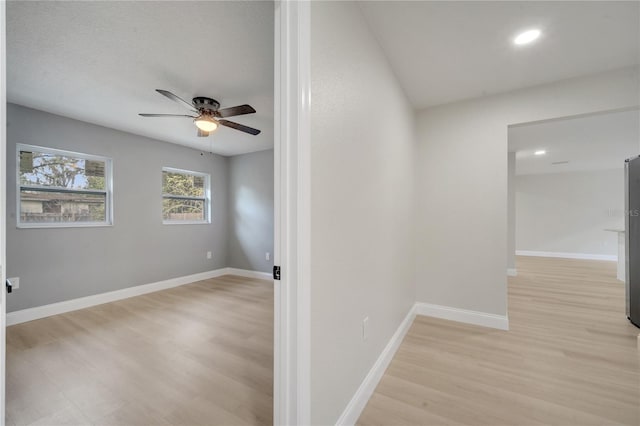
[
  {"x": 362, "y": 148},
  {"x": 568, "y": 212},
  {"x": 461, "y": 193}
]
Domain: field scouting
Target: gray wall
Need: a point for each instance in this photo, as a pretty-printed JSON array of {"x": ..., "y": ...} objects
[
  {"x": 361, "y": 205},
  {"x": 511, "y": 211},
  {"x": 251, "y": 211},
  {"x": 66, "y": 263}
]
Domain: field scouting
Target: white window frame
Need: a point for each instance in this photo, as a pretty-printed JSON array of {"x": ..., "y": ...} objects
[
  {"x": 206, "y": 198},
  {"x": 108, "y": 191}
]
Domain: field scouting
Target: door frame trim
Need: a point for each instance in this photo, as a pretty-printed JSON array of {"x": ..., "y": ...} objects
[{"x": 292, "y": 212}]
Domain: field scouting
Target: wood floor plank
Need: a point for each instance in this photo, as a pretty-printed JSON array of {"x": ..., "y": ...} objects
[
  {"x": 570, "y": 358},
  {"x": 199, "y": 354}
]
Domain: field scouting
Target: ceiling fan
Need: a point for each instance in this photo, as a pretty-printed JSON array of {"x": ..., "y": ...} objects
[{"x": 207, "y": 115}]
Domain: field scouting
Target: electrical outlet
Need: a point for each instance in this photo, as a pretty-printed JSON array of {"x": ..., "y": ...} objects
[
  {"x": 209, "y": 255},
  {"x": 15, "y": 282},
  {"x": 365, "y": 328},
  {"x": 267, "y": 256}
]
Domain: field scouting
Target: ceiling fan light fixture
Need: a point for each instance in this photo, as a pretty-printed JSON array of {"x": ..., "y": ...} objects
[
  {"x": 206, "y": 123},
  {"x": 209, "y": 114}
]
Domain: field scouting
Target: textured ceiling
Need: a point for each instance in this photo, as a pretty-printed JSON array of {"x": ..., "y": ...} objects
[
  {"x": 595, "y": 142},
  {"x": 447, "y": 51},
  {"x": 101, "y": 61}
]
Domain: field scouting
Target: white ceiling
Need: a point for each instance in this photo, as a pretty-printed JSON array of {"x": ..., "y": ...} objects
[
  {"x": 101, "y": 61},
  {"x": 447, "y": 51},
  {"x": 595, "y": 142}
]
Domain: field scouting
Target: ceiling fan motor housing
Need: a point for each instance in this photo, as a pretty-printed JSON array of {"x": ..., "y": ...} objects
[{"x": 203, "y": 104}]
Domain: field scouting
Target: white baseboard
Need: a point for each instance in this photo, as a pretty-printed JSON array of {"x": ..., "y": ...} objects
[
  {"x": 501, "y": 322},
  {"x": 585, "y": 256},
  {"x": 512, "y": 272},
  {"x": 353, "y": 410},
  {"x": 249, "y": 274},
  {"x": 359, "y": 400},
  {"x": 38, "y": 312}
]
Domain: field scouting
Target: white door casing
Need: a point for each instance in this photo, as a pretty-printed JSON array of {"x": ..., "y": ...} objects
[{"x": 292, "y": 213}]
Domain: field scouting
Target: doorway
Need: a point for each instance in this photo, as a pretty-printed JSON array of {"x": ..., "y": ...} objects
[
  {"x": 248, "y": 197},
  {"x": 566, "y": 206},
  {"x": 566, "y": 186}
]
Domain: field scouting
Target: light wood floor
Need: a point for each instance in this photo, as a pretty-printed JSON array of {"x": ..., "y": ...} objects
[
  {"x": 570, "y": 358},
  {"x": 200, "y": 354}
]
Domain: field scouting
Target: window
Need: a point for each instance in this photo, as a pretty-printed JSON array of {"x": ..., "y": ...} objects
[
  {"x": 185, "y": 196},
  {"x": 60, "y": 188}
]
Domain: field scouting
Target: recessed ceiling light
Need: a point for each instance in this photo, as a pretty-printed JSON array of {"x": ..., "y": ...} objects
[
  {"x": 526, "y": 37},
  {"x": 540, "y": 152}
]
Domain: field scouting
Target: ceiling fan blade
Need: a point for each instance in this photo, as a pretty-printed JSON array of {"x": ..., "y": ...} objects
[
  {"x": 240, "y": 127},
  {"x": 202, "y": 133},
  {"x": 177, "y": 99},
  {"x": 236, "y": 110},
  {"x": 166, "y": 115}
]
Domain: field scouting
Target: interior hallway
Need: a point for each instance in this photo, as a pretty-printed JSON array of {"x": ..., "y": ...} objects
[
  {"x": 198, "y": 354},
  {"x": 570, "y": 358}
]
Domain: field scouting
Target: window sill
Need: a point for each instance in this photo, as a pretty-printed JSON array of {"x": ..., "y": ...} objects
[
  {"x": 63, "y": 225},
  {"x": 187, "y": 222}
]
